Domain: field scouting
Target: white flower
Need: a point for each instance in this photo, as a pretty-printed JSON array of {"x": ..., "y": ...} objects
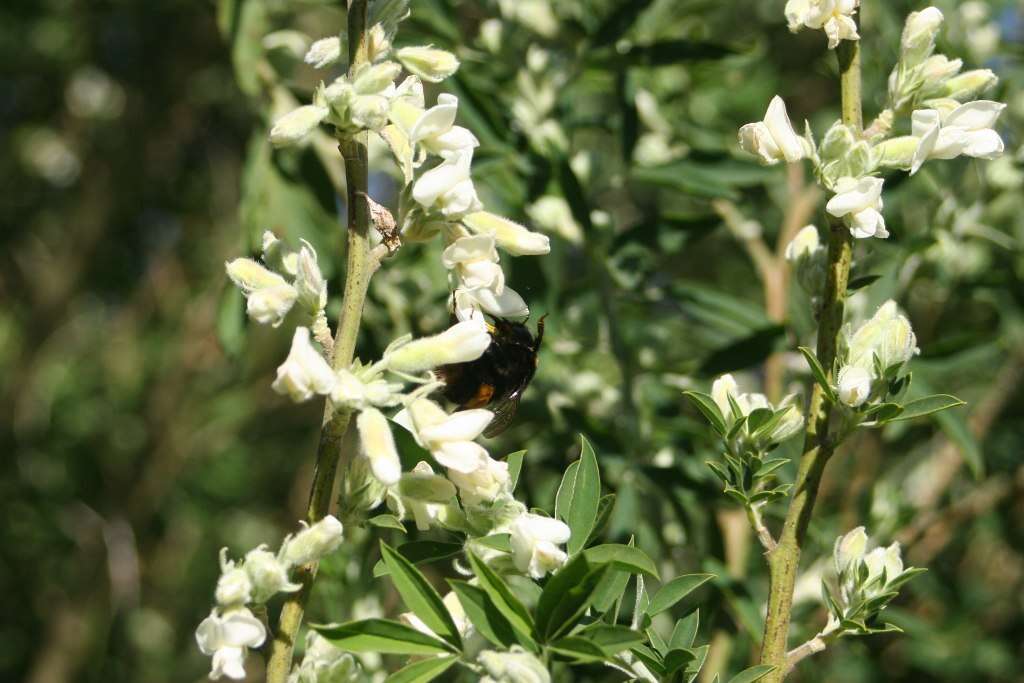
[
  {"x": 324, "y": 52},
  {"x": 227, "y": 637},
  {"x": 353, "y": 393},
  {"x": 854, "y": 385},
  {"x": 849, "y": 549},
  {"x": 313, "y": 542},
  {"x": 325, "y": 663},
  {"x": 428, "y": 63},
  {"x": 535, "y": 540},
  {"x": 267, "y": 575},
  {"x": 966, "y": 130},
  {"x": 919, "y": 34},
  {"x": 861, "y": 200},
  {"x": 470, "y": 301},
  {"x": 373, "y": 79},
  {"x": 773, "y": 139},
  {"x": 270, "y": 305},
  {"x": 462, "y": 342},
  {"x": 425, "y": 494},
  {"x": 475, "y": 261},
  {"x": 804, "y": 243},
  {"x": 435, "y": 128},
  {"x": 448, "y": 187},
  {"x": 887, "y": 335},
  {"x": 309, "y": 282},
  {"x": 305, "y": 372},
  {"x": 487, "y": 482},
  {"x": 297, "y": 124},
  {"x": 514, "y": 238},
  {"x": 887, "y": 560},
  {"x": 835, "y": 17},
  {"x": 379, "y": 446},
  {"x": 726, "y": 386},
  {"x": 234, "y": 586}
]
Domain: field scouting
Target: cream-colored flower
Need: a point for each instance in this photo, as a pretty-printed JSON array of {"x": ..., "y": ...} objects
[
  {"x": 773, "y": 139},
  {"x": 305, "y": 372},
  {"x": 860, "y": 200}
]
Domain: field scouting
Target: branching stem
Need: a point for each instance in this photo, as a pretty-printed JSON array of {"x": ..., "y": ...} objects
[
  {"x": 359, "y": 267},
  {"x": 819, "y": 445}
]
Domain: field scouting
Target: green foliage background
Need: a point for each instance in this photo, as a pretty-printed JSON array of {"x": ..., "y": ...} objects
[{"x": 139, "y": 431}]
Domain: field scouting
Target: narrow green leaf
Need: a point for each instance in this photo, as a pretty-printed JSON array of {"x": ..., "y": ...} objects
[
  {"x": 419, "y": 596},
  {"x": 818, "y": 372},
  {"x": 754, "y": 673},
  {"x": 699, "y": 655},
  {"x": 657, "y": 642},
  {"x": 707, "y": 406},
  {"x": 578, "y": 649},
  {"x": 566, "y": 597},
  {"x": 685, "y": 631},
  {"x": 650, "y": 658},
  {"x": 610, "y": 590},
  {"x": 387, "y": 522},
  {"x": 584, "y": 496},
  {"x": 564, "y": 493},
  {"x": 927, "y": 405},
  {"x": 506, "y": 603},
  {"x": 422, "y": 671},
  {"x": 605, "y": 507},
  {"x": 675, "y": 660},
  {"x": 421, "y": 552},
  {"x": 625, "y": 557},
  {"x": 515, "y": 467},
  {"x": 676, "y": 590},
  {"x": 483, "y": 614},
  {"x": 382, "y": 636},
  {"x": 612, "y": 638}
]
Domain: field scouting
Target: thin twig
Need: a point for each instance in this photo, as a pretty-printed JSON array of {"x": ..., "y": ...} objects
[
  {"x": 813, "y": 646},
  {"x": 764, "y": 535}
]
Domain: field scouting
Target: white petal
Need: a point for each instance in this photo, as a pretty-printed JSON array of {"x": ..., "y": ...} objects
[
  {"x": 465, "y": 425},
  {"x": 508, "y": 304},
  {"x": 868, "y": 223},
  {"x": 983, "y": 144},
  {"x": 465, "y": 457},
  {"x": 453, "y": 140},
  {"x": 439, "y": 180},
  {"x": 466, "y": 249},
  {"x": 854, "y": 196},
  {"x": 949, "y": 143},
  {"x": 436, "y": 120},
  {"x": 242, "y": 629},
  {"x": 230, "y": 662},
  {"x": 976, "y": 115}
]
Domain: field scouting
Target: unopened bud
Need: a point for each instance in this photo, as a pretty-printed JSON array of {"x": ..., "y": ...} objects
[
  {"x": 849, "y": 549},
  {"x": 312, "y": 543},
  {"x": 250, "y": 276},
  {"x": 919, "y": 34},
  {"x": 515, "y": 666},
  {"x": 269, "y": 306},
  {"x": 233, "y": 587},
  {"x": 463, "y": 342},
  {"x": 324, "y": 52},
  {"x": 309, "y": 281},
  {"x": 370, "y": 112},
  {"x": 970, "y": 84},
  {"x": 379, "y": 446},
  {"x": 896, "y": 152},
  {"x": 854, "y": 385},
  {"x": 377, "y": 43},
  {"x": 372, "y": 79},
  {"x": 514, "y": 238},
  {"x": 267, "y": 574},
  {"x": 428, "y": 63},
  {"x": 297, "y": 124},
  {"x": 805, "y": 243}
]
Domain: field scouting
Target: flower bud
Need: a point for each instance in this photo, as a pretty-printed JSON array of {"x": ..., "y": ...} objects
[
  {"x": 249, "y": 276},
  {"x": 233, "y": 587},
  {"x": 510, "y": 236},
  {"x": 804, "y": 243},
  {"x": 463, "y": 342},
  {"x": 423, "y": 485},
  {"x": 896, "y": 152},
  {"x": 297, "y": 124},
  {"x": 370, "y": 112},
  {"x": 269, "y": 306},
  {"x": 313, "y": 542},
  {"x": 267, "y": 575},
  {"x": 883, "y": 560},
  {"x": 773, "y": 139},
  {"x": 430, "y": 64},
  {"x": 489, "y": 481},
  {"x": 849, "y": 549},
  {"x": 554, "y": 215},
  {"x": 792, "y": 421},
  {"x": 515, "y": 666},
  {"x": 277, "y": 256},
  {"x": 854, "y": 385},
  {"x": 887, "y": 335},
  {"x": 304, "y": 372},
  {"x": 324, "y": 52},
  {"x": 379, "y": 446},
  {"x": 970, "y": 84},
  {"x": 309, "y": 282},
  {"x": 373, "y": 79},
  {"x": 919, "y": 34},
  {"x": 377, "y": 44},
  {"x": 294, "y": 43},
  {"x": 938, "y": 68}
]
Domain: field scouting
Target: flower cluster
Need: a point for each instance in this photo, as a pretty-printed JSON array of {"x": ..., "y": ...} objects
[
  {"x": 946, "y": 121},
  {"x": 324, "y": 663},
  {"x": 750, "y": 420},
  {"x": 875, "y": 353},
  {"x": 231, "y": 628},
  {"x": 865, "y": 583},
  {"x": 292, "y": 276}
]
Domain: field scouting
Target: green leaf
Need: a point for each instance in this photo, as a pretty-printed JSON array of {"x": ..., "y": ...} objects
[
  {"x": 754, "y": 673},
  {"x": 387, "y": 522},
  {"x": 884, "y": 412},
  {"x": 612, "y": 638},
  {"x": 419, "y": 596},
  {"x": 567, "y": 595},
  {"x": 927, "y": 405},
  {"x": 611, "y": 588},
  {"x": 707, "y": 406},
  {"x": 861, "y": 282},
  {"x": 818, "y": 372},
  {"x": 421, "y": 552},
  {"x": 677, "y": 659},
  {"x": 675, "y": 590},
  {"x": 382, "y": 636},
  {"x": 578, "y": 649},
  {"x": 745, "y": 352},
  {"x": 582, "y": 493},
  {"x": 685, "y": 631},
  {"x": 505, "y": 602},
  {"x": 605, "y": 506},
  {"x": 651, "y": 658},
  {"x": 483, "y": 614},
  {"x": 515, "y": 467},
  {"x": 627, "y": 557},
  {"x": 699, "y": 655},
  {"x": 564, "y": 492},
  {"x": 422, "y": 671}
]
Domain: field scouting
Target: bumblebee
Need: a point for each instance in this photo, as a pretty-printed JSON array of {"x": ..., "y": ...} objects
[{"x": 498, "y": 378}]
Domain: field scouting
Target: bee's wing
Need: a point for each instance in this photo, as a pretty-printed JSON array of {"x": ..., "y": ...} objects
[{"x": 503, "y": 414}]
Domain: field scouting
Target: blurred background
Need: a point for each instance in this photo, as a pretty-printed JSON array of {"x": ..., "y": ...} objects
[{"x": 137, "y": 424}]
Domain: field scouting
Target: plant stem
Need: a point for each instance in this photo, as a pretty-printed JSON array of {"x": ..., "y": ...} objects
[
  {"x": 764, "y": 535},
  {"x": 813, "y": 646},
  {"x": 335, "y": 424},
  {"x": 784, "y": 560}
]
